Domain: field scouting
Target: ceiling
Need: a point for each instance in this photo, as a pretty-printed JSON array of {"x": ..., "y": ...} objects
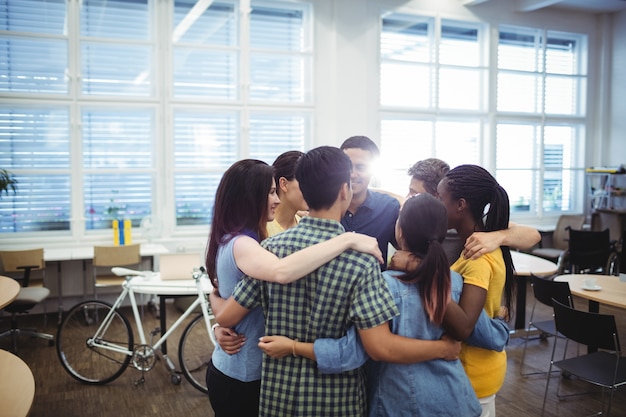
[{"x": 592, "y": 6}]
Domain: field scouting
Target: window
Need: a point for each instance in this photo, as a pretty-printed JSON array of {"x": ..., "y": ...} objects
[
  {"x": 540, "y": 119},
  {"x": 206, "y": 141},
  {"x": 103, "y": 102},
  {"x": 434, "y": 103},
  {"x": 433, "y": 93}
]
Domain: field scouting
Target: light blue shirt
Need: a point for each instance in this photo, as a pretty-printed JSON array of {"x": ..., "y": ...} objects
[
  {"x": 246, "y": 365},
  {"x": 347, "y": 353},
  {"x": 431, "y": 388}
]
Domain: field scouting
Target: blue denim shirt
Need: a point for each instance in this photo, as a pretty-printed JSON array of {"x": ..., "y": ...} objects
[
  {"x": 431, "y": 388},
  {"x": 347, "y": 353}
]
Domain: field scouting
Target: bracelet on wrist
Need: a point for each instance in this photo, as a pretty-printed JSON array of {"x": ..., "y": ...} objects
[{"x": 293, "y": 348}]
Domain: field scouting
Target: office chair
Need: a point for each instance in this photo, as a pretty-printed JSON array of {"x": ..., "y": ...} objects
[
  {"x": 560, "y": 236},
  {"x": 614, "y": 221},
  {"x": 590, "y": 252},
  {"x": 19, "y": 265},
  {"x": 106, "y": 257},
  {"x": 545, "y": 290},
  {"x": 604, "y": 368}
]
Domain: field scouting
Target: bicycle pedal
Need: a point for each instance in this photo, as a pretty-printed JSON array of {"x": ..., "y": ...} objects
[{"x": 156, "y": 331}]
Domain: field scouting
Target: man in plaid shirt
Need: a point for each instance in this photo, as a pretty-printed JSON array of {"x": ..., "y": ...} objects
[{"x": 348, "y": 290}]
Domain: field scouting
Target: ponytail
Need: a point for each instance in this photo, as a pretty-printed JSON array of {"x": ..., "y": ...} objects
[{"x": 423, "y": 221}]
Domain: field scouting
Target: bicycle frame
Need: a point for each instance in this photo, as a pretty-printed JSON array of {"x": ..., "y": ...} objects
[{"x": 129, "y": 291}]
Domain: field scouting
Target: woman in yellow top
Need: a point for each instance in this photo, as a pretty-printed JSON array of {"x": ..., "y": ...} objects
[
  {"x": 288, "y": 190},
  {"x": 477, "y": 203}
]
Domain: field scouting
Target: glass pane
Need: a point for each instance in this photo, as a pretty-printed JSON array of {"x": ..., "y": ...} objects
[
  {"x": 520, "y": 49},
  {"x": 41, "y": 203},
  {"x": 459, "y": 45},
  {"x": 562, "y": 54},
  {"x": 195, "y": 196},
  {"x": 279, "y": 78},
  {"x": 38, "y": 16},
  {"x": 406, "y": 38},
  {"x": 33, "y": 65},
  {"x": 117, "y": 138},
  {"x": 205, "y": 22},
  {"x": 461, "y": 88},
  {"x": 205, "y": 140},
  {"x": 405, "y": 85},
  {"x": 120, "y": 19},
  {"x": 515, "y": 146},
  {"x": 519, "y": 92},
  {"x": 414, "y": 138},
  {"x": 519, "y": 186},
  {"x": 277, "y": 28},
  {"x": 116, "y": 69},
  {"x": 34, "y": 138},
  {"x": 272, "y": 134},
  {"x": 205, "y": 73},
  {"x": 563, "y": 95},
  {"x": 111, "y": 197},
  {"x": 457, "y": 142}
]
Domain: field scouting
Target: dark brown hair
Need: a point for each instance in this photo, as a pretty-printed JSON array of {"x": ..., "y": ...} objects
[{"x": 240, "y": 206}]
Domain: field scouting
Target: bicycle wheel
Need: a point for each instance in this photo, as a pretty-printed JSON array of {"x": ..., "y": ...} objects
[
  {"x": 194, "y": 353},
  {"x": 87, "y": 363}
]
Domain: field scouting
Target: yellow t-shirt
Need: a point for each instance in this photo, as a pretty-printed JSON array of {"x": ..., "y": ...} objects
[
  {"x": 274, "y": 228},
  {"x": 485, "y": 369}
]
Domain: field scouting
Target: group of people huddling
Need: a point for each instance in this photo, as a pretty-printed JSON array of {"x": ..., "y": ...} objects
[{"x": 312, "y": 320}]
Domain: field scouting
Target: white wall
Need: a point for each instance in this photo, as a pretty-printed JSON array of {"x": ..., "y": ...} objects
[{"x": 617, "y": 138}]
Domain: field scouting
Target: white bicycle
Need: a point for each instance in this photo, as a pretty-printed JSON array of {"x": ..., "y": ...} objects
[{"x": 95, "y": 340}]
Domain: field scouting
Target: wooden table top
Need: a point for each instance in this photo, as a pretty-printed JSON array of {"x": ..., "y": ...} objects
[
  {"x": 9, "y": 288},
  {"x": 17, "y": 386},
  {"x": 612, "y": 289}
]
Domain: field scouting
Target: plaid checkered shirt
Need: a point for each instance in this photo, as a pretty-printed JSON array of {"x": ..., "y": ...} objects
[{"x": 348, "y": 290}]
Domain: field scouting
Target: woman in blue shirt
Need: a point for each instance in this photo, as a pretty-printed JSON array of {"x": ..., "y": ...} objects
[{"x": 433, "y": 387}]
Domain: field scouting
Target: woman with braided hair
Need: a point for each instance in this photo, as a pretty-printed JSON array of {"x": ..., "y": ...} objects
[{"x": 476, "y": 202}]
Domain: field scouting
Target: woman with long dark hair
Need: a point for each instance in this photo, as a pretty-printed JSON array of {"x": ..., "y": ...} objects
[{"x": 244, "y": 202}]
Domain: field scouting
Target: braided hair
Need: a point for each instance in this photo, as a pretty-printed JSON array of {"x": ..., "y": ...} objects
[{"x": 489, "y": 206}]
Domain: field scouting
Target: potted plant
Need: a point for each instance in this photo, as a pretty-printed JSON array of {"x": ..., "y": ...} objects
[{"x": 7, "y": 182}]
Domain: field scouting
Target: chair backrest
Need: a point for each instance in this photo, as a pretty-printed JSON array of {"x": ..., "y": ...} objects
[
  {"x": 609, "y": 219},
  {"x": 116, "y": 255},
  {"x": 566, "y": 222},
  {"x": 23, "y": 262},
  {"x": 545, "y": 290},
  {"x": 589, "y": 249},
  {"x": 598, "y": 330}
]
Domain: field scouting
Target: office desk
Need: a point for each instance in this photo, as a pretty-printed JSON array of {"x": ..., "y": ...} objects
[
  {"x": 525, "y": 265},
  {"x": 9, "y": 289},
  {"x": 84, "y": 254},
  {"x": 612, "y": 292},
  {"x": 17, "y": 386}
]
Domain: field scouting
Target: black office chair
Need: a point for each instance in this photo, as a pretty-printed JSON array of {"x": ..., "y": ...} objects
[
  {"x": 545, "y": 290},
  {"x": 31, "y": 293},
  {"x": 604, "y": 368},
  {"x": 590, "y": 252}
]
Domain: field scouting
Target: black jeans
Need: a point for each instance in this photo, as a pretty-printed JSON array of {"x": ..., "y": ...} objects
[{"x": 230, "y": 397}]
